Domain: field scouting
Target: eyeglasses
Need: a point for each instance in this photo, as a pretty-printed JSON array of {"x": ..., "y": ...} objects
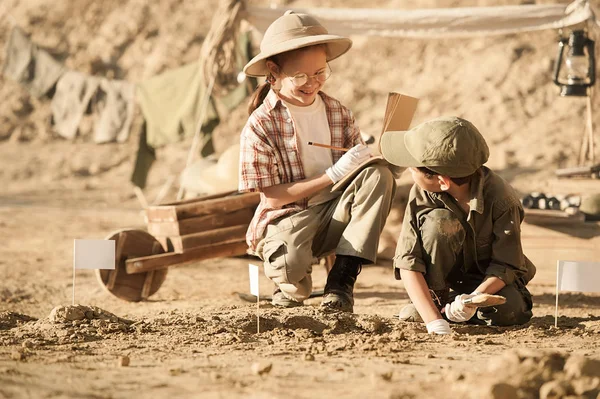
[{"x": 301, "y": 79}]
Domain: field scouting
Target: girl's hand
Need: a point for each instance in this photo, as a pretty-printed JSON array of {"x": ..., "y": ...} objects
[{"x": 348, "y": 162}]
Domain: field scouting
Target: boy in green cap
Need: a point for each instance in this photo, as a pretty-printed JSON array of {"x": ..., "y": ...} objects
[{"x": 461, "y": 229}]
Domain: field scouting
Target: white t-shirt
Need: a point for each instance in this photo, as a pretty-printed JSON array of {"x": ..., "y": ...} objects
[{"x": 311, "y": 125}]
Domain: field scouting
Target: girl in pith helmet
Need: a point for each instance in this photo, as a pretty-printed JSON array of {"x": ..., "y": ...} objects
[{"x": 300, "y": 217}]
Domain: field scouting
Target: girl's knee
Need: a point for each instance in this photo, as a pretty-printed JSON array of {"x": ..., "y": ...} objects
[{"x": 285, "y": 264}]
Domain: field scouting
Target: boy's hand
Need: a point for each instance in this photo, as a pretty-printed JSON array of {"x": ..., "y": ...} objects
[
  {"x": 348, "y": 162},
  {"x": 439, "y": 326},
  {"x": 457, "y": 311}
]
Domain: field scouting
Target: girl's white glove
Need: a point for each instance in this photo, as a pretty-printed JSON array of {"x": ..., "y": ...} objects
[
  {"x": 439, "y": 326},
  {"x": 457, "y": 311},
  {"x": 348, "y": 162}
]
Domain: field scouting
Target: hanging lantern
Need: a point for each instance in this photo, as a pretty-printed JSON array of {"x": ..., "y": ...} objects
[{"x": 579, "y": 70}]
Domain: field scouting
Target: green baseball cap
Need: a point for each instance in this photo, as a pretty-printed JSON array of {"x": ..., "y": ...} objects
[{"x": 450, "y": 146}]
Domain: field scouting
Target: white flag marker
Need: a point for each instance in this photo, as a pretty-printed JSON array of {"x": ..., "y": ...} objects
[
  {"x": 576, "y": 276},
  {"x": 253, "y": 274},
  {"x": 92, "y": 254}
]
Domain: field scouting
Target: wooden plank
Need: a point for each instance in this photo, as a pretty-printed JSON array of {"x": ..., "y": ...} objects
[
  {"x": 200, "y": 224},
  {"x": 224, "y": 235},
  {"x": 544, "y": 245},
  {"x": 545, "y": 216},
  {"x": 574, "y": 186},
  {"x": 585, "y": 236},
  {"x": 147, "y": 284},
  {"x": 171, "y": 213},
  {"x": 163, "y": 261},
  {"x": 198, "y": 199}
]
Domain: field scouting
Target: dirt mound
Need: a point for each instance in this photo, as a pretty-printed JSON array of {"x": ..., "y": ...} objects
[
  {"x": 532, "y": 374},
  {"x": 70, "y": 324},
  {"x": 11, "y": 320}
]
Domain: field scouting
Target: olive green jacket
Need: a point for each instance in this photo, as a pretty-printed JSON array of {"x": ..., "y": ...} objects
[{"x": 493, "y": 229}]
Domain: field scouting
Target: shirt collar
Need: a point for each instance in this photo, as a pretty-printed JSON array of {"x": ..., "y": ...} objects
[
  {"x": 476, "y": 202},
  {"x": 271, "y": 100}
]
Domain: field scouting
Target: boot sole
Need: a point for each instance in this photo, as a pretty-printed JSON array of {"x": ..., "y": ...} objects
[{"x": 336, "y": 301}]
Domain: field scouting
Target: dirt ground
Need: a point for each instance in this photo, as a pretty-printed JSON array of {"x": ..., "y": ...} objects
[{"x": 195, "y": 337}]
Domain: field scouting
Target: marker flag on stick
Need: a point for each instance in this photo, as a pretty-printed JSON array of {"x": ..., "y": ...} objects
[
  {"x": 92, "y": 254},
  {"x": 576, "y": 276},
  {"x": 253, "y": 273}
]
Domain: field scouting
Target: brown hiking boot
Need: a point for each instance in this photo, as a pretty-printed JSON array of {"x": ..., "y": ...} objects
[
  {"x": 409, "y": 312},
  {"x": 339, "y": 289},
  {"x": 281, "y": 301}
]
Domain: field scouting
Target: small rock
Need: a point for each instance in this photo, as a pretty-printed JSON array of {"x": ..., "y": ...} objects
[
  {"x": 214, "y": 376},
  {"x": 309, "y": 357},
  {"x": 123, "y": 361},
  {"x": 28, "y": 344},
  {"x": 429, "y": 356},
  {"x": 261, "y": 368},
  {"x": 378, "y": 377},
  {"x": 62, "y": 314},
  {"x": 17, "y": 355},
  {"x": 579, "y": 366},
  {"x": 503, "y": 390},
  {"x": 554, "y": 390}
]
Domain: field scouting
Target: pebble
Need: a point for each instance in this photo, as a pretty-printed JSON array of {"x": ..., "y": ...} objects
[
  {"x": 260, "y": 368},
  {"x": 377, "y": 378},
  {"x": 579, "y": 366},
  {"x": 554, "y": 390},
  {"x": 502, "y": 390},
  {"x": 123, "y": 361},
  {"x": 28, "y": 344},
  {"x": 309, "y": 357}
]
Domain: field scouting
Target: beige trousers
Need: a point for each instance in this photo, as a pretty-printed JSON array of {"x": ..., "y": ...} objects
[{"x": 349, "y": 224}]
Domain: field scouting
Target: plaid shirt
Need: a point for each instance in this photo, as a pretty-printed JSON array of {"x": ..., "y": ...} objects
[{"x": 269, "y": 154}]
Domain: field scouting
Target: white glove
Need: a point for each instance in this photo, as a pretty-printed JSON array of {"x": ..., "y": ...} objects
[
  {"x": 439, "y": 326},
  {"x": 457, "y": 311},
  {"x": 348, "y": 162}
]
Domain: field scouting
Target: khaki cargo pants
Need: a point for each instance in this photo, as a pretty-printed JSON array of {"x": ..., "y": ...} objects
[{"x": 347, "y": 225}]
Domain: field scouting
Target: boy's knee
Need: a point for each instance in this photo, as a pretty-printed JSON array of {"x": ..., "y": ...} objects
[{"x": 516, "y": 310}]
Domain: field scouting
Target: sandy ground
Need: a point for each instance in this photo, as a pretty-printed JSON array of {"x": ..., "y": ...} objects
[{"x": 195, "y": 337}]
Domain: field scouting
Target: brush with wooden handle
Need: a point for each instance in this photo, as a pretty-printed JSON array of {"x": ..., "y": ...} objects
[{"x": 484, "y": 300}]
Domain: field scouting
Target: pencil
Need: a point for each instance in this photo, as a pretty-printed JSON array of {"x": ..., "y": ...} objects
[{"x": 328, "y": 146}]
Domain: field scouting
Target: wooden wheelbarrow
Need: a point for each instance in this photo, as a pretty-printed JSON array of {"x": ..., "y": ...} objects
[{"x": 178, "y": 233}]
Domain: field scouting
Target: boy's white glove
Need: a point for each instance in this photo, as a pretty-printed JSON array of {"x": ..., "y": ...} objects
[
  {"x": 439, "y": 326},
  {"x": 348, "y": 162},
  {"x": 457, "y": 311}
]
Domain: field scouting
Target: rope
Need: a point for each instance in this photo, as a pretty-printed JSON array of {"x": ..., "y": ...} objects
[
  {"x": 217, "y": 65},
  {"x": 219, "y": 48}
]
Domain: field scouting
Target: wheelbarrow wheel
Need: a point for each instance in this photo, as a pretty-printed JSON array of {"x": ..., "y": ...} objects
[{"x": 131, "y": 243}]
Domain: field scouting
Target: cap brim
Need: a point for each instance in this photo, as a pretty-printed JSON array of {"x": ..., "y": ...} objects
[
  {"x": 336, "y": 46},
  {"x": 394, "y": 149}
]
